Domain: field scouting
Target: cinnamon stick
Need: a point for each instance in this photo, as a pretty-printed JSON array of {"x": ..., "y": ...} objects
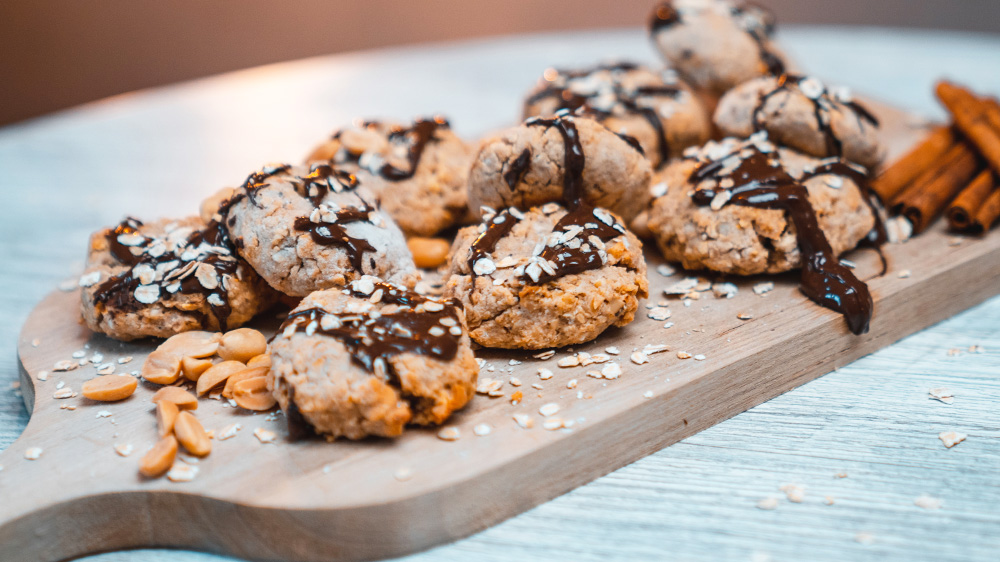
[
  {"x": 972, "y": 119},
  {"x": 963, "y": 210},
  {"x": 988, "y": 213},
  {"x": 927, "y": 197},
  {"x": 911, "y": 166}
]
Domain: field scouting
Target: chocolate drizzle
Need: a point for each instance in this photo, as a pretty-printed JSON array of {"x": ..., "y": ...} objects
[
  {"x": 418, "y": 135},
  {"x": 823, "y": 107},
  {"x": 573, "y": 159},
  {"x": 595, "y": 105},
  {"x": 760, "y": 181},
  {"x": 515, "y": 173},
  {"x": 151, "y": 261},
  {"x": 334, "y": 233},
  {"x": 410, "y": 323},
  {"x": 581, "y": 247},
  {"x": 321, "y": 180}
]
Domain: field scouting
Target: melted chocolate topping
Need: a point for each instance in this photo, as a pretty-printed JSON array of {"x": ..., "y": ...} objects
[
  {"x": 583, "y": 105},
  {"x": 322, "y": 180},
  {"x": 573, "y": 159},
  {"x": 496, "y": 229},
  {"x": 209, "y": 246},
  {"x": 518, "y": 168},
  {"x": 823, "y": 107},
  {"x": 373, "y": 337},
  {"x": 335, "y": 234},
  {"x": 418, "y": 135},
  {"x": 579, "y": 253},
  {"x": 759, "y": 181}
]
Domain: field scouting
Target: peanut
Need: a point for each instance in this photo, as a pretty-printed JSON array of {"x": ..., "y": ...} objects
[
  {"x": 241, "y": 376},
  {"x": 166, "y": 416},
  {"x": 262, "y": 360},
  {"x": 192, "y": 344},
  {"x": 252, "y": 394},
  {"x": 110, "y": 388},
  {"x": 191, "y": 434},
  {"x": 193, "y": 368},
  {"x": 160, "y": 458},
  {"x": 210, "y": 206},
  {"x": 428, "y": 253},
  {"x": 242, "y": 345},
  {"x": 161, "y": 367},
  {"x": 216, "y": 375},
  {"x": 181, "y": 398}
]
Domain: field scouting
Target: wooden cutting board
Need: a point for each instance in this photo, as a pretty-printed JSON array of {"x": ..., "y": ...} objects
[{"x": 312, "y": 500}]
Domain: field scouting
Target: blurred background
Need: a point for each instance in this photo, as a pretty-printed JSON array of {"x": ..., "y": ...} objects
[{"x": 59, "y": 53}]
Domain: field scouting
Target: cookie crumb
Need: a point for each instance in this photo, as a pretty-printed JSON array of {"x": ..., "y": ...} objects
[
  {"x": 761, "y": 289},
  {"x": 683, "y": 355},
  {"x": 124, "y": 449},
  {"x": 229, "y": 431},
  {"x": 639, "y": 358},
  {"x": 264, "y": 435},
  {"x": 951, "y": 438},
  {"x": 744, "y": 316},
  {"x": 794, "y": 492},
  {"x": 659, "y": 313}
]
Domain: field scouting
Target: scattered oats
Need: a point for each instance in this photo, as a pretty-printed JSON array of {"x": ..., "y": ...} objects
[
  {"x": 79, "y": 354},
  {"x": 744, "y": 316},
  {"x": 668, "y": 325},
  {"x": 182, "y": 472},
  {"x": 33, "y": 453},
  {"x": 794, "y": 492},
  {"x": 229, "y": 431},
  {"x": 60, "y": 384},
  {"x": 681, "y": 287},
  {"x": 96, "y": 358},
  {"x": 659, "y": 189},
  {"x": 486, "y": 385},
  {"x": 828, "y": 500},
  {"x": 327, "y": 468},
  {"x": 90, "y": 279},
  {"x": 106, "y": 369},
  {"x": 264, "y": 435},
  {"x": 587, "y": 359},
  {"x": 403, "y": 473},
  {"x": 103, "y": 414},
  {"x": 36, "y": 342},
  {"x": 147, "y": 294},
  {"x": 842, "y": 474},
  {"x": 537, "y": 386},
  {"x": 524, "y": 421},
  {"x": 953, "y": 352},
  {"x": 928, "y": 502},
  {"x": 124, "y": 450},
  {"x": 544, "y": 374},
  {"x": 484, "y": 266},
  {"x": 124, "y": 360},
  {"x": 449, "y": 433},
  {"x": 904, "y": 274},
  {"x": 63, "y": 393},
  {"x": 571, "y": 383},
  {"x": 683, "y": 355},
  {"x": 612, "y": 350},
  {"x": 647, "y": 394},
  {"x": 67, "y": 407},
  {"x": 720, "y": 200},
  {"x": 898, "y": 229},
  {"x": 665, "y": 270},
  {"x": 951, "y": 438},
  {"x": 639, "y": 358},
  {"x": 864, "y": 538},
  {"x": 545, "y": 355},
  {"x": 481, "y": 362},
  {"x": 611, "y": 371},
  {"x": 763, "y": 288},
  {"x": 954, "y": 241},
  {"x": 42, "y": 375},
  {"x": 549, "y": 409},
  {"x": 595, "y": 374},
  {"x": 768, "y": 504},
  {"x": 65, "y": 365},
  {"x": 553, "y": 424},
  {"x": 724, "y": 290},
  {"x": 571, "y": 361},
  {"x": 977, "y": 349},
  {"x": 699, "y": 357},
  {"x": 659, "y": 313},
  {"x": 482, "y": 429},
  {"x": 514, "y": 381},
  {"x": 687, "y": 303},
  {"x": 941, "y": 394}
]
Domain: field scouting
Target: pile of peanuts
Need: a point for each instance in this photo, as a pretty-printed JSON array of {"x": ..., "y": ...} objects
[{"x": 241, "y": 375}]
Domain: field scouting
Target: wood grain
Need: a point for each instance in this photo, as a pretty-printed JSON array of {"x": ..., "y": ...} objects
[{"x": 318, "y": 501}]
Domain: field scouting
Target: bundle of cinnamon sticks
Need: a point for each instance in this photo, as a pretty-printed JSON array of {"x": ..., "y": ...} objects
[{"x": 954, "y": 171}]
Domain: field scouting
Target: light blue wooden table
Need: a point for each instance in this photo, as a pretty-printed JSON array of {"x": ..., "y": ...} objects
[{"x": 153, "y": 153}]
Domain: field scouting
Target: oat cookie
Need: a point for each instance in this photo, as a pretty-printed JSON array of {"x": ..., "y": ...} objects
[
  {"x": 801, "y": 113},
  {"x": 546, "y": 277},
  {"x": 370, "y": 359},
  {"x": 655, "y": 108},
  {"x": 311, "y": 227},
  {"x": 715, "y": 44},
  {"x": 696, "y": 223},
  {"x": 419, "y": 171},
  {"x": 166, "y": 277},
  {"x": 563, "y": 159}
]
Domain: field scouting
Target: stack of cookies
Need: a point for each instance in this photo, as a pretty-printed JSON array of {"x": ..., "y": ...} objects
[{"x": 724, "y": 158}]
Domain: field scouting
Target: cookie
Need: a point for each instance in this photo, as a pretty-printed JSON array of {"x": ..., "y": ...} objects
[
  {"x": 165, "y": 277},
  {"x": 419, "y": 171},
  {"x": 801, "y": 113},
  {"x": 694, "y": 228},
  {"x": 370, "y": 359},
  {"x": 306, "y": 228},
  {"x": 654, "y": 108},
  {"x": 546, "y": 277},
  {"x": 563, "y": 159},
  {"x": 715, "y": 44}
]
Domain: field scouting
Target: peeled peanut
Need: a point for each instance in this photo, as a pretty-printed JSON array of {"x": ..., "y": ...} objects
[
  {"x": 241, "y": 376},
  {"x": 166, "y": 415},
  {"x": 191, "y": 434},
  {"x": 242, "y": 345},
  {"x": 252, "y": 394},
  {"x": 160, "y": 458},
  {"x": 428, "y": 253},
  {"x": 192, "y": 344},
  {"x": 110, "y": 388},
  {"x": 216, "y": 375},
  {"x": 210, "y": 206},
  {"x": 193, "y": 368},
  {"x": 161, "y": 367},
  {"x": 262, "y": 360},
  {"x": 183, "y": 399}
]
